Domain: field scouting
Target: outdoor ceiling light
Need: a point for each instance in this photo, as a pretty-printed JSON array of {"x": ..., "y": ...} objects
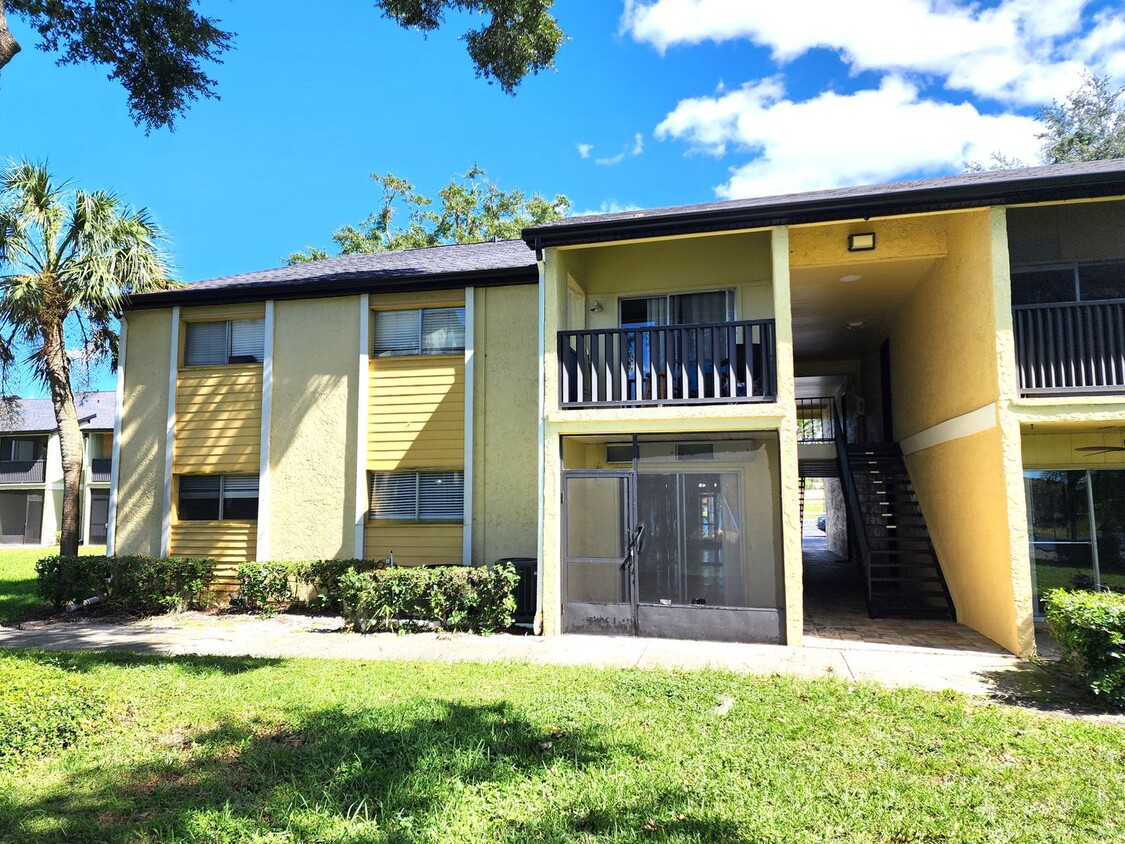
[
  {"x": 863, "y": 242},
  {"x": 848, "y": 278},
  {"x": 856, "y": 325}
]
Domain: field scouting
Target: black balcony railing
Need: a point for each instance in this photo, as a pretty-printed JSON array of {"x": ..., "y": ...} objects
[
  {"x": 814, "y": 420},
  {"x": 99, "y": 469},
  {"x": 1072, "y": 347},
  {"x": 23, "y": 471},
  {"x": 718, "y": 363}
]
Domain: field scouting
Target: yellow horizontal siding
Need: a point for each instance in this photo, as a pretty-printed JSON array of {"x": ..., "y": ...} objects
[
  {"x": 416, "y": 413},
  {"x": 246, "y": 310},
  {"x": 227, "y": 542},
  {"x": 414, "y": 544},
  {"x": 218, "y": 419}
]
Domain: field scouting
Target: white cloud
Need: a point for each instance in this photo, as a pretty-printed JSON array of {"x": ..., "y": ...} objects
[
  {"x": 584, "y": 150},
  {"x": 635, "y": 148},
  {"x": 833, "y": 140},
  {"x": 1026, "y": 52},
  {"x": 608, "y": 206}
]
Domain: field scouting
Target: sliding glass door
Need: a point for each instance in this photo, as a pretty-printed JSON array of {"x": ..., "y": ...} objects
[{"x": 1076, "y": 522}]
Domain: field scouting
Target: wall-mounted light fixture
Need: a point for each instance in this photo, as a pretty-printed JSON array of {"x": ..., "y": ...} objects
[
  {"x": 595, "y": 306},
  {"x": 863, "y": 242}
]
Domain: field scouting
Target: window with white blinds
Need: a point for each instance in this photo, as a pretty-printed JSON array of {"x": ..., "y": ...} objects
[
  {"x": 233, "y": 341},
  {"x": 218, "y": 497},
  {"x": 418, "y": 496},
  {"x": 425, "y": 331}
]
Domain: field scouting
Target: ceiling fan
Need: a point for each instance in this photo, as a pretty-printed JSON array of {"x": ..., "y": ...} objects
[{"x": 1100, "y": 449}]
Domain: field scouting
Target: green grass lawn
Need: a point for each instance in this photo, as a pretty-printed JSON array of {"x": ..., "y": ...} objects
[
  {"x": 233, "y": 750},
  {"x": 18, "y": 600}
]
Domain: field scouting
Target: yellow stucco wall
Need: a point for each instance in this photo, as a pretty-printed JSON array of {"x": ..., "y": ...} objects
[
  {"x": 505, "y": 423},
  {"x": 943, "y": 342},
  {"x": 607, "y": 273},
  {"x": 947, "y": 356},
  {"x": 961, "y": 487},
  {"x": 143, "y": 425},
  {"x": 314, "y": 429},
  {"x": 901, "y": 237},
  {"x": 218, "y": 419}
]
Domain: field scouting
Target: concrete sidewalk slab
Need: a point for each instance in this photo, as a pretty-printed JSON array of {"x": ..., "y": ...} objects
[{"x": 974, "y": 672}]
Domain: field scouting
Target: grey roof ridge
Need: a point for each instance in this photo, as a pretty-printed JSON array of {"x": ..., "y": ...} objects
[{"x": 1096, "y": 178}]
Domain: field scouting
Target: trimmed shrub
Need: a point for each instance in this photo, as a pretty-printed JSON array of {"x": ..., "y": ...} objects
[
  {"x": 144, "y": 585},
  {"x": 43, "y": 708},
  {"x": 455, "y": 597},
  {"x": 265, "y": 585},
  {"x": 65, "y": 579},
  {"x": 150, "y": 585},
  {"x": 324, "y": 578},
  {"x": 1089, "y": 629}
]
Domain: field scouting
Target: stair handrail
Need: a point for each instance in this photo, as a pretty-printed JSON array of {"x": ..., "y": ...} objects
[{"x": 851, "y": 496}]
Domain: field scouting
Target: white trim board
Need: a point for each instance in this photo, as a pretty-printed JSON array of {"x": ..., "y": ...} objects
[
  {"x": 262, "y": 540},
  {"x": 467, "y": 476},
  {"x": 170, "y": 434},
  {"x": 959, "y": 427},
  {"x": 362, "y": 400}
]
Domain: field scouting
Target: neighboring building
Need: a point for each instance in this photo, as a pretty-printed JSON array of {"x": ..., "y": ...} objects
[
  {"x": 31, "y": 474},
  {"x": 633, "y": 399}
]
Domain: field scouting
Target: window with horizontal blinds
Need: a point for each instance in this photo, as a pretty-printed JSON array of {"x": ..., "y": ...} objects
[
  {"x": 396, "y": 333},
  {"x": 218, "y": 497},
  {"x": 443, "y": 330},
  {"x": 233, "y": 341},
  {"x": 425, "y": 331},
  {"x": 417, "y": 496},
  {"x": 206, "y": 343},
  {"x": 247, "y": 340}
]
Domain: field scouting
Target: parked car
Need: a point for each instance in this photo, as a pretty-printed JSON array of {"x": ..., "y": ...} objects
[{"x": 820, "y": 524}]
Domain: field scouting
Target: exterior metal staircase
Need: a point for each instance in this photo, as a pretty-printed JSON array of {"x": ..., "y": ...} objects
[{"x": 903, "y": 574}]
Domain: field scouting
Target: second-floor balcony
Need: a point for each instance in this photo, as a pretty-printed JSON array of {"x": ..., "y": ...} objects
[
  {"x": 99, "y": 469},
  {"x": 23, "y": 471},
  {"x": 1075, "y": 348},
  {"x": 713, "y": 363}
]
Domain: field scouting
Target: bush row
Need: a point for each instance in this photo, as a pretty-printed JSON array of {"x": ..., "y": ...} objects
[
  {"x": 1089, "y": 630},
  {"x": 43, "y": 708},
  {"x": 144, "y": 585},
  {"x": 455, "y": 597},
  {"x": 270, "y": 585}
]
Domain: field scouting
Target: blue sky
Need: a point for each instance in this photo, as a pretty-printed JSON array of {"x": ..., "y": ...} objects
[{"x": 654, "y": 102}]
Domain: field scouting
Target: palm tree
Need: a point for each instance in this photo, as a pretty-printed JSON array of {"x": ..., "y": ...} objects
[{"x": 68, "y": 258}]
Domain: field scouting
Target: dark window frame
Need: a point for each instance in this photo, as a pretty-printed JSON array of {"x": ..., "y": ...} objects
[
  {"x": 221, "y": 497},
  {"x": 258, "y": 357},
  {"x": 417, "y": 349},
  {"x": 418, "y": 495}
]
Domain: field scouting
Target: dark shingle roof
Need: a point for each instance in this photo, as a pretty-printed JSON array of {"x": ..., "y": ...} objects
[
  {"x": 499, "y": 262},
  {"x": 1057, "y": 182},
  {"x": 95, "y": 413}
]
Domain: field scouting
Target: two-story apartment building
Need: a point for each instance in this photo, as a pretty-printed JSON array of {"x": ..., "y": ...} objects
[
  {"x": 31, "y": 474},
  {"x": 633, "y": 399}
]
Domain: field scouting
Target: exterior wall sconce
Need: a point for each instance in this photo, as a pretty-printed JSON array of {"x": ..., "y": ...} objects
[
  {"x": 595, "y": 306},
  {"x": 864, "y": 242}
]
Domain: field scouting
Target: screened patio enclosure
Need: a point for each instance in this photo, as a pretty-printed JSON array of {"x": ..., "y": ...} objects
[{"x": 675, "y": 537}]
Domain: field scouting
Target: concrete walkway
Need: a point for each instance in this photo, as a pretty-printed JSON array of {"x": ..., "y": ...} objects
[{"x": 972, "y": 671}]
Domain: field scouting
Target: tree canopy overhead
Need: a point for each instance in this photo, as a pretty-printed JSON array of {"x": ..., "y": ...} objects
[
  {"x": 162, "y": 51},
  {"x": 469, "y": 209},
  {"x": 1088, "y": 126}
]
